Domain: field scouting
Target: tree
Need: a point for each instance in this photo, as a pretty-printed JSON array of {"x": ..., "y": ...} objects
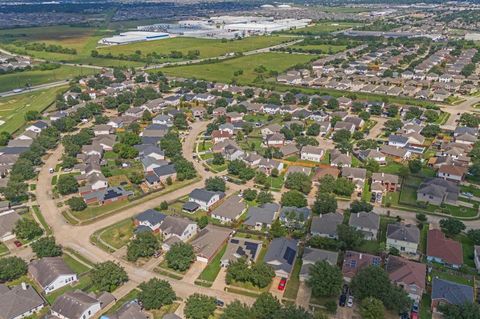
[
  {"x": 324, "y": 203},
  {"x": 108, "y": 276},
  {"x": 27, "y": 229},
  {"x": 180, "y": 256},
  {"x": 249, "y": 194},
  {"x": 199, "y": 306},
  {"x": 185, "y": 169},
  {"x": 451, "y": 226},
  {"x": 265, "y": 307},
  {"x": 202, "y": 222},
  {"x": 421, "y": 217},
  {"x": 12, "y": 268},
  {"x": 46, "y": 247},
  {"x": 374, "y": 282},
  {"x": 264, "y": 197},
  {"x": 474, "y": 236},
  {"x": 299, "y": 181},
  {"x": 67, "y": 184},
  {"x": 136, "y": 177},
  {"x": 313, "y": 130},
  {"x": 393, "y": 125},
  {"x": 156, "y": 293},
  {"x": 236, "y": 310},
  {"x": 277, "y": 229},
  {"x": 4, "y": 138},
  {"x": 76, "y": 204},
  {"x": 415, "y": 166},
  {"x": 215, "y": 184},
  {"x": 360, "y": 206},
  {"x": 145, "y": 244},
  {"x": 372, "y": 165},
  {"x": 293, "y": 198},
  {"x": 325, "y": 280},
  {"x": 349, "y": 237},
  {"x": 372, "y": 308},
  {"x": 343, "y": 187},
  {"x": 468, "y": 310},
  {"x": 431, "y": 130},
  {"x": 218, "y": 159}
]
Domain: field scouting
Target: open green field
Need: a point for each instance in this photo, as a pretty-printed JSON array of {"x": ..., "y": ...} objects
[
  {"x": 343, "y": 9},
  {"x": 208, "y": 48},
  {"x": 13, "y": 109},
  {"x": 328, "y": 26},
  {"x": 21, "y": 79},
  {"x": 330, "y": 49},
  {"x": 224, "y": 71},
  {"x": 118, "y": 234}
]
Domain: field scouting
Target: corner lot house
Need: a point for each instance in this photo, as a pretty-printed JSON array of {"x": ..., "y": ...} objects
[
  {"x": 8, "y": 219},
  {"x": 230, "y": 210},
  {"x": 281, "y": 256},
  {"x": 443, "y": 250},
  {"x": 149, "y": 220},
  {"x": 19, "y": 302},
  {"x": 51, "y": 273},
  {"x": 436, "y": 191},
  {"x": 313, "y": 255},
  {"x": 209, "y": 241},
  {"x": 75, "y": 305},
  {"x": 241, "y": 247},
  {"x": 407, "y": 274},
  {"x": 368, "y": 223},
  {"x": 204, "y": 198},
  {"x": 181, "y": 228},
  {"x": 447, "y": 292},
  {"x": 405, "y": 238},
  {"x": 325, "y": 225}
]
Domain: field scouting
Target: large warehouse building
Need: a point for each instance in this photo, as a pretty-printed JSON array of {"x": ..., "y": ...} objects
[{"x": 134, "y": 36}]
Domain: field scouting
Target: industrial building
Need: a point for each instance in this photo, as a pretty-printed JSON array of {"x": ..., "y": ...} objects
[{"x": 134, "y": 36}]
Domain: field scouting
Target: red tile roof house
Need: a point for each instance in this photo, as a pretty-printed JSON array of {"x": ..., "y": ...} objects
[
  {"x": 443, "y": 250},
  {"x": 354, "y": 261},
  {"x": 407, "y": 274},
  {"x": 220, "y": 136}
]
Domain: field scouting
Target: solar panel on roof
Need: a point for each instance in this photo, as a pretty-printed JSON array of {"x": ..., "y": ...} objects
[
  {"x": 234, "y": 241},
  {"x": 289, "y": 255},
  {"x": 353, "y": 263},
  {"x": 376, "y": 261}
]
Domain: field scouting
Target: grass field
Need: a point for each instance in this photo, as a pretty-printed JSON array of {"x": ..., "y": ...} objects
[
  {"x": 330, "y": 49},
  {"x": 213, "y": 268},
  {"x": 13, "y": 109},
  {"x": 208, "y": 48},
  {"x": 20, "y": 79},
  {"x": 118, "y": 234},
  {"x": 75, "y": 265},
  {"x": 224, "y": 71},
  {"x": 328, "y": 26}
]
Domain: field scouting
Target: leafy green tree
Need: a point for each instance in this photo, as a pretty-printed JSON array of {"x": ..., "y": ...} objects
[
  {"x": 180, "y": 256},
  {"x": 325, "y": 280},
  {"x": 4, "y": 138},
  {"x": 326, "y": 184},
  {"x": 349, "y": 237},
  {"x": 293, "y": 198},
  {"x": 46, "y": 247},
  {"x": 236, "y": 310},
  {"x": 474, "y": 236},
  {"x": 264, "y": 197},
  {"x": 415, "y": 166},
  {"x": 372, "y": 165},
  {"x": 12, "y": 268},
  {"x": 108, "y": 276},
  {"x": 393, "y": 125},
  {"x": 136, "y": 177},
  {"x": 360, "y": 206},
  {"x": 421, "y": 217},
  {"x": 277, "y": 229},
  {"x": 343, "y": 187},
  {"x": 144, "y": 244},
  {"x": 313, "y": 130},
  {"x": 67, "y": 184},
  {"x": 215, "y": 184},
  {"x": 250, "y": 194},
  {"x": 324, "y": 203},
  {"x": 27, "y": 229},
  {"x": 431, "y": 130},
  {"x": 156, "y": 293},
  {"x": 76, "y": 204},
  {"x": 23, "y": 169},
  {"x": 299, "y": 181},
  {"x": 372, "y": 308},
  {"x": 202, "y": 222},
  {"x": 218, "y": 159},
  {"x": 468, "y": 310},
  {"x": 199, "y": 306},
  {"x": 266, "y": 307},
  {"x": 451, "y": 226}
]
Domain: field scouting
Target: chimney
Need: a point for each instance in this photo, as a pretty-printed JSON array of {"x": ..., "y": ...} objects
[
  {"x": 24, "y": 286},
  {"x": 358, "y": 214},
  {"x": 360, "y": 257}
]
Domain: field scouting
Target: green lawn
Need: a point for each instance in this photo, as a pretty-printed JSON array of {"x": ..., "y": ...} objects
[
  {"x": 3, "y": 249},
  {"x": 322, "y": 27},
  {"x": 119, "y": 234},
  {"x": 14, "y": 108},
  {"x": 120, "y": 302},
  {"x": 224, "y": 71},
  {"x": 21, "y": 79},
  {"x": 450, "y": 275},
  {"x": 468, "y": 250},
  {"x": 425, "y": 312},
  {"x": 293, "y": 282},
  {"x": 38, "y": 214},
  {"x": 213, "y": 268},
  {"x": 78, "y": 267},
  {"x": 85, "y": 283},
  {"x": 96, "y": 211}
]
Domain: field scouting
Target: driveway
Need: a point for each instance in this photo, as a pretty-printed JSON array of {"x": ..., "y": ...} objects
[
  {"x": 274, "y": 288},
  {"x": 303, "y": 295},
  {"x": 195, "y": 270}
]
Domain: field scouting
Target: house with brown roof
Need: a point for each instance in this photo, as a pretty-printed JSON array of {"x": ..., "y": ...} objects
[
  {"x": 354, "y": 261},
  {"x": 452, "y": 172},
  {"x": 323, "y": 171},
  {"x": 443, "y": 250},
  {"x": 209, "y": 241},
  {"x": 407, "y": 274},
  {"x": 339, "y": 159},
  {"x": 230, "y": 209},
  {"x": 220, "y": 136},
  {"x": 20, "y": 301}
]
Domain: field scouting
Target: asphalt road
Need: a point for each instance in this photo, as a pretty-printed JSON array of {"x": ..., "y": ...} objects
[{"x": 34, "y": 88}]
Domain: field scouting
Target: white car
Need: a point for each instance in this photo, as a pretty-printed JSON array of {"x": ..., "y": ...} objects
[{"x": 350, "y": 302}]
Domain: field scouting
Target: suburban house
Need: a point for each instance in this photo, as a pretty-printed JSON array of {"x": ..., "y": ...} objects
[
  {"x": 262, "y": 217},
  {"x": 339, "y": 159},
  {"x": 294, "y": 217},
  {"x": 354, "y": 261},
  {"x": 448, "y": 292},
  {"x": 395, "y": 152},
  {"x": 373, "y": 154},
  {"x": 275, "y": 140},
  {"x": 325, "y": 225},
  {"x": 454, "y": 173},
  {"x": 409, "y": 275},
  {"x": 313, "y": 255},
  {"x": 177, "y": 227},
  {"x": 8, "y": 220},
  {"x": 209, "y": 241},
  {"x": 149, "y": 220},
  {"x": 367, "y": 223},
  {"x": 405, "y": 238},
  {"x": 19, "y": 301},
  {"x": 75, "y": 305},
  {"x": 436, "y": 191},
  {"x": 476, "y": 257},
  {"x": 381, "y": 184},
  {"x": 129, "y": 310},
  {"x": 266, "y": 165},
  {"x": 356, "y": 175},
  {"x": 312, "y": 153},
  {"x": 51, "y": 273},
  {"x": 443, "y": 250},
  {"x": 205, "y": 199},
  {"x": 106, "y": 196},
  {"x": 281, "y": 256},
  {"x": 164, "y": 172},
  {"x": 230, "y": 209},
  {"x": 220, "y": 136},
  {"x": 241, "y": 248}
]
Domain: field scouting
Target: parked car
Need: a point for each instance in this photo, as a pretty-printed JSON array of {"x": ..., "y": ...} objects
[
  {"x": 18, "y": 243},
  {"x": 415, "y": 307},
  {"x": 342, "y": 301},
  {"x": 281, "y": 285},
  {"x": 51, "y": 170},
  {"x": 157, "y": 254},
  {"x": 219, "y": 303},
  {"x": 350, "y": 302},
  {"x": 404, "y": 315},
  {"x": 414, "y": 315}
]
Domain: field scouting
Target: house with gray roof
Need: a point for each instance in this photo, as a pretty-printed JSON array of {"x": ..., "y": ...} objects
[
  {"x": 451, "y": 293},
  {"x": 436, "y": 191},
  {"x": 339, "y": 159},
  {"x": 313, "y": 255},
  {"x": 367, "y": 223},
  {"x": 294, "y": 217},
  {"x": 204, "y": 198},
  {"x": 261, "y": 217},
  {"x": 166, "y": 171},
  {"x": 476, "y": 257},
  {"x": 8, "y": 220},
  {"x": 230, "y": 209},
  {"x": 403, "y": 237},
  {"x": 51, "y": 273},
  {"x": 181, "y": 228},
  {"x": 130, "y": 310},
  {"x": 281, "y": 256},
  {"x": 19, "y": 301},
  {"x": 75, "y": 305},
  {"x": 325, "y": 225},
  {"x": 241, "y": 248},
  {"x": 149, "y": 220}
]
